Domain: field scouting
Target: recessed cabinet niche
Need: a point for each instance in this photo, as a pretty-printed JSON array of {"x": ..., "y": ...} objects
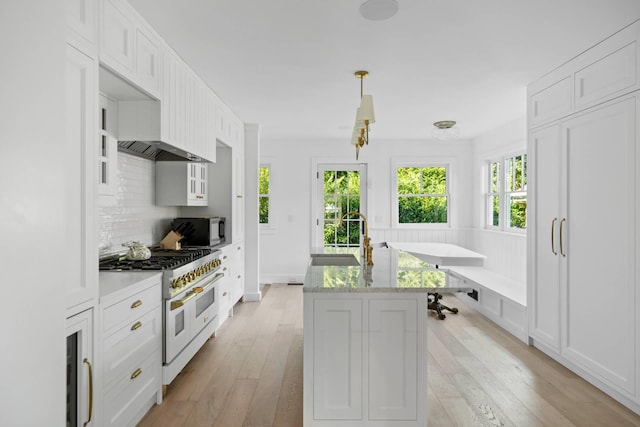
[{"x": 181, "y": 183}]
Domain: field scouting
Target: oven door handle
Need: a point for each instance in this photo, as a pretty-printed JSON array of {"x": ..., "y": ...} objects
[
  {"x": 179, "y": 303},
  {"x": 216, "y": 277}
]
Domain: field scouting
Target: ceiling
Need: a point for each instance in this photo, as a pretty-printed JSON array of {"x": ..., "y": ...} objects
[{"x": 288, "y": 64}]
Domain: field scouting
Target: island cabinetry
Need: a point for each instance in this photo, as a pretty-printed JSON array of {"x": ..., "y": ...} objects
[
  {"x": 131, "y": 349},
  {"x": 364, "y": 359}
]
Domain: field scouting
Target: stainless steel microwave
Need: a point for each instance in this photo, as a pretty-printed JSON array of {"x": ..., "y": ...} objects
[{"x": 201, "y": 231}]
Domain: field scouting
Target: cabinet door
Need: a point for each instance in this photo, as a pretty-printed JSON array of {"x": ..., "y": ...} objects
[
  {"x": 237, "y": 224},
  {"x": 117, "y": 34},
  {"x": 337, "y": 359},
  {"x": 393, "y": 360},
  {"x": 147, "y": 62},
  {"x": 80, "y": 363},
  {"x": 599, "y": 240},
  {"x": 545, "y": 150},
  {"x": 81, "y": 272},
  {"x": 81, "y": 21}
]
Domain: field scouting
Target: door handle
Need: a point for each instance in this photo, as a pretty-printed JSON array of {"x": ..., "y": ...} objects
[
  {"x": 553, "y": 236},
  {"x": 561, "y": 234},
  {"x": 86, "y": 361}
]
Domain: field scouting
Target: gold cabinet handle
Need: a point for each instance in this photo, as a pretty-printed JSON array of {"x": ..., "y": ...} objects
[
  {"x": 136, "y": 373},
  {"x": 561, "y": 234},
  {"x": 553, "y": 236},
  {"x": 224, "y": 257},
  {"x": 90, "y": 390},
  {"x": 136, "y": 304},
  {"x": 136, "y": 326},
  {"x": 180, "y": 303}
]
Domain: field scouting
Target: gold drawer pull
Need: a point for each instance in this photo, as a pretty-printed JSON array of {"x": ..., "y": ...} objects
[
  {"x": 136, "y": 326},
  {"x": 136, "y": 373},
  {"x": 224, "y": 269},
  {"x": 224, "y": 294},
  {"x": 136, "y": 304},
  {"x": 224, "y": 257}
]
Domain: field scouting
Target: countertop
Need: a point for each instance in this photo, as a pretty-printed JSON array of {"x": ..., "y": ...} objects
[
  {"x": 114, "y": 281},
  {"x": 393, "y": 271}
]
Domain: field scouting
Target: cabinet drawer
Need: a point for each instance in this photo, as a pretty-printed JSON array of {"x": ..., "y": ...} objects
[
  {"x": 128, "y": 346},
  {"x": 131, "y": 308},
  {"x": 123, "y": 400}
]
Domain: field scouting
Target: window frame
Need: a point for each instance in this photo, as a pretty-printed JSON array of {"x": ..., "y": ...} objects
[
  {"x": 504, "y": 193},
  {"x": 395, "y": 214},
  {"x": 269, "y": 223}
]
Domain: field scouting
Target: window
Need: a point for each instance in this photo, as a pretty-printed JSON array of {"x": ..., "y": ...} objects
[
  {"x": 263, "y": 189},
  {"x": 422, "y": 194},
  {"x": 507, "y": 195}
]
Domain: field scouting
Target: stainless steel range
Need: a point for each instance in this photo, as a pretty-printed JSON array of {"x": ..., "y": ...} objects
[{"x": 190, "y": 295}]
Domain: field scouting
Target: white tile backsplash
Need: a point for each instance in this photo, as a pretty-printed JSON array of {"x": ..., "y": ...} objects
[{"x": 133, "y": 215}]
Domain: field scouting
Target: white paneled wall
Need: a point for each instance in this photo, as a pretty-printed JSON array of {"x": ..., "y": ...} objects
[
  {"x": 506, "y": 252},
  {"x": 133, "y": 216}
]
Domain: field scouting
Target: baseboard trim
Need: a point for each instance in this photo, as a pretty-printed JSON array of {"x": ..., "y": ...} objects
[{"x": 252, "y": 296}]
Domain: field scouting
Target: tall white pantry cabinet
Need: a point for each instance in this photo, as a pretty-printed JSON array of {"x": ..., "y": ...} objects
[{"x": 583, "y": 216}]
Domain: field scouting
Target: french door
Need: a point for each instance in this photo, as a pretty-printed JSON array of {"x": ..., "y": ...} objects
[{"x": 340, "y": 188}]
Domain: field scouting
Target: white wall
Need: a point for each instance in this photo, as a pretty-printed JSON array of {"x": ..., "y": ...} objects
[
  {"x": 32, "y": 213},
  {"x": 284, "y": 250},
  {"x": 506, "y": 252},
  {"x": 133, "y": 216}
]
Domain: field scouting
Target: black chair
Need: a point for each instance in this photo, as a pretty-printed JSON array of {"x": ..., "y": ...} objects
[{"x": 433, "y": 299}]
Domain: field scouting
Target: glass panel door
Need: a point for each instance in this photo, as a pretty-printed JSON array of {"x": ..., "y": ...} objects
[{"x": 341, "y": 189}]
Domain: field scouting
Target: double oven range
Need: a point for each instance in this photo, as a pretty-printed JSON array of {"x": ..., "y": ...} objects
[{"x": 190, "y": 299}]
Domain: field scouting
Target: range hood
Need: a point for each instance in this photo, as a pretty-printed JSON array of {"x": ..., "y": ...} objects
[
  {"x": 156, "y": 150},
  {"x": 139, "y": 133}
]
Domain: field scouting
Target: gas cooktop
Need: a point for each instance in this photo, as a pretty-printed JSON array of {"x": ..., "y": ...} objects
[{"x": 161, "y": 259}]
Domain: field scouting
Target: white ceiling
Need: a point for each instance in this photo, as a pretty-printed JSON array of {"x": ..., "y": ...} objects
[{"x": 288, "y": 64}]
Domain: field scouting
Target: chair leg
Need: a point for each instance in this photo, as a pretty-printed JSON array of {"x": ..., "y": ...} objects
[{"x": 437, "y": 307}]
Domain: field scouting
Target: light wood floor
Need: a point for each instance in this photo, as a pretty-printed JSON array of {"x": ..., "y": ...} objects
[{"x": 250, "y": 374}]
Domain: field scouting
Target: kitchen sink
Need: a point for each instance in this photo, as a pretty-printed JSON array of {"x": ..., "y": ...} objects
[{"x": 333, "y": 259}]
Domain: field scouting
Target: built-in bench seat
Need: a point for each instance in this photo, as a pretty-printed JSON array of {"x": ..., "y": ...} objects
[{"x": 500, "y": 298}]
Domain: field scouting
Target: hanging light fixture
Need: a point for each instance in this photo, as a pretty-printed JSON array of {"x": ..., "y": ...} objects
[{"x": 364, "y": 116}]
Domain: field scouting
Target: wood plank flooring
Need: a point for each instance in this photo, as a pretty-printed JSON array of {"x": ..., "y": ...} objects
[{"x": 250, "y": 375}]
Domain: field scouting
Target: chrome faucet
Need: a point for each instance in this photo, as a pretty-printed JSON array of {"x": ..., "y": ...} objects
[{"x": 366, "y": 242}]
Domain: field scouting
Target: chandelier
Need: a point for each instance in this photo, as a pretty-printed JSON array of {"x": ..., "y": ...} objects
[{"x": 364, "y": 116}]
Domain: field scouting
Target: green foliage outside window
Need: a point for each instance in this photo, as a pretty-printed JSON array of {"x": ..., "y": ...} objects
[
  {"x": 341, "y": 195},
  {"x": 263, "y": 190},
  {"x": 516, "y": 184},
  {"x": 422, "y": 195}
]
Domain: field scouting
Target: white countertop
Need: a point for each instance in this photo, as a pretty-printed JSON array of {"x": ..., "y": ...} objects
[
  {"x": 114, "y": 281},
  {"x": 440, "y": 253},
  {"x": 393, "y": 271}
]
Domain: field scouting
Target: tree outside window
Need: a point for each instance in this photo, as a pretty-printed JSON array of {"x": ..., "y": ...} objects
[
  {"x": 507, "y": 195},
  {"x": 263, "y": 190},
  {"x": 422, "y": 195}
]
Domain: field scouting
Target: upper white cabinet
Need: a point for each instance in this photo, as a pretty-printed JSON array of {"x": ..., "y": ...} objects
[
  {"x": 188, "y": 110},
  {"x": 181, "y": 183},
  {"x": 584, "y": 217},
  {"x": 128, "y": 47},
  {"x": 609, "y": 69},
  {"x": 80, "y": 191},
  {"x": 81, "y": 16},
  {"x": 107, "y": 150}
]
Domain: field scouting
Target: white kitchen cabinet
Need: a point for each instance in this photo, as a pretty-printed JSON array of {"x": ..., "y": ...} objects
[
  {"x": 129, "y": 47},
  {"x": 584, "y": 221},
  {"x": 107, "y": 151},
  {"x": 232, "y": 285},
  {"x": 364, "y": 356},
  {"x": 607, "y": 70},
  {"x": 238, "y": 209},
  {"x": 81, "y": 16},
  {"x": 80, "y": 355},
  {"x": 81, "y": 133},
  {"x": 181, "y": 183},
  {"x": 187, "y": 110},
  {"x": 131, "y": 351}
]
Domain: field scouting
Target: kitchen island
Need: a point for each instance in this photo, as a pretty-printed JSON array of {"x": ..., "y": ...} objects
[{"x": 365, "y": 346}]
